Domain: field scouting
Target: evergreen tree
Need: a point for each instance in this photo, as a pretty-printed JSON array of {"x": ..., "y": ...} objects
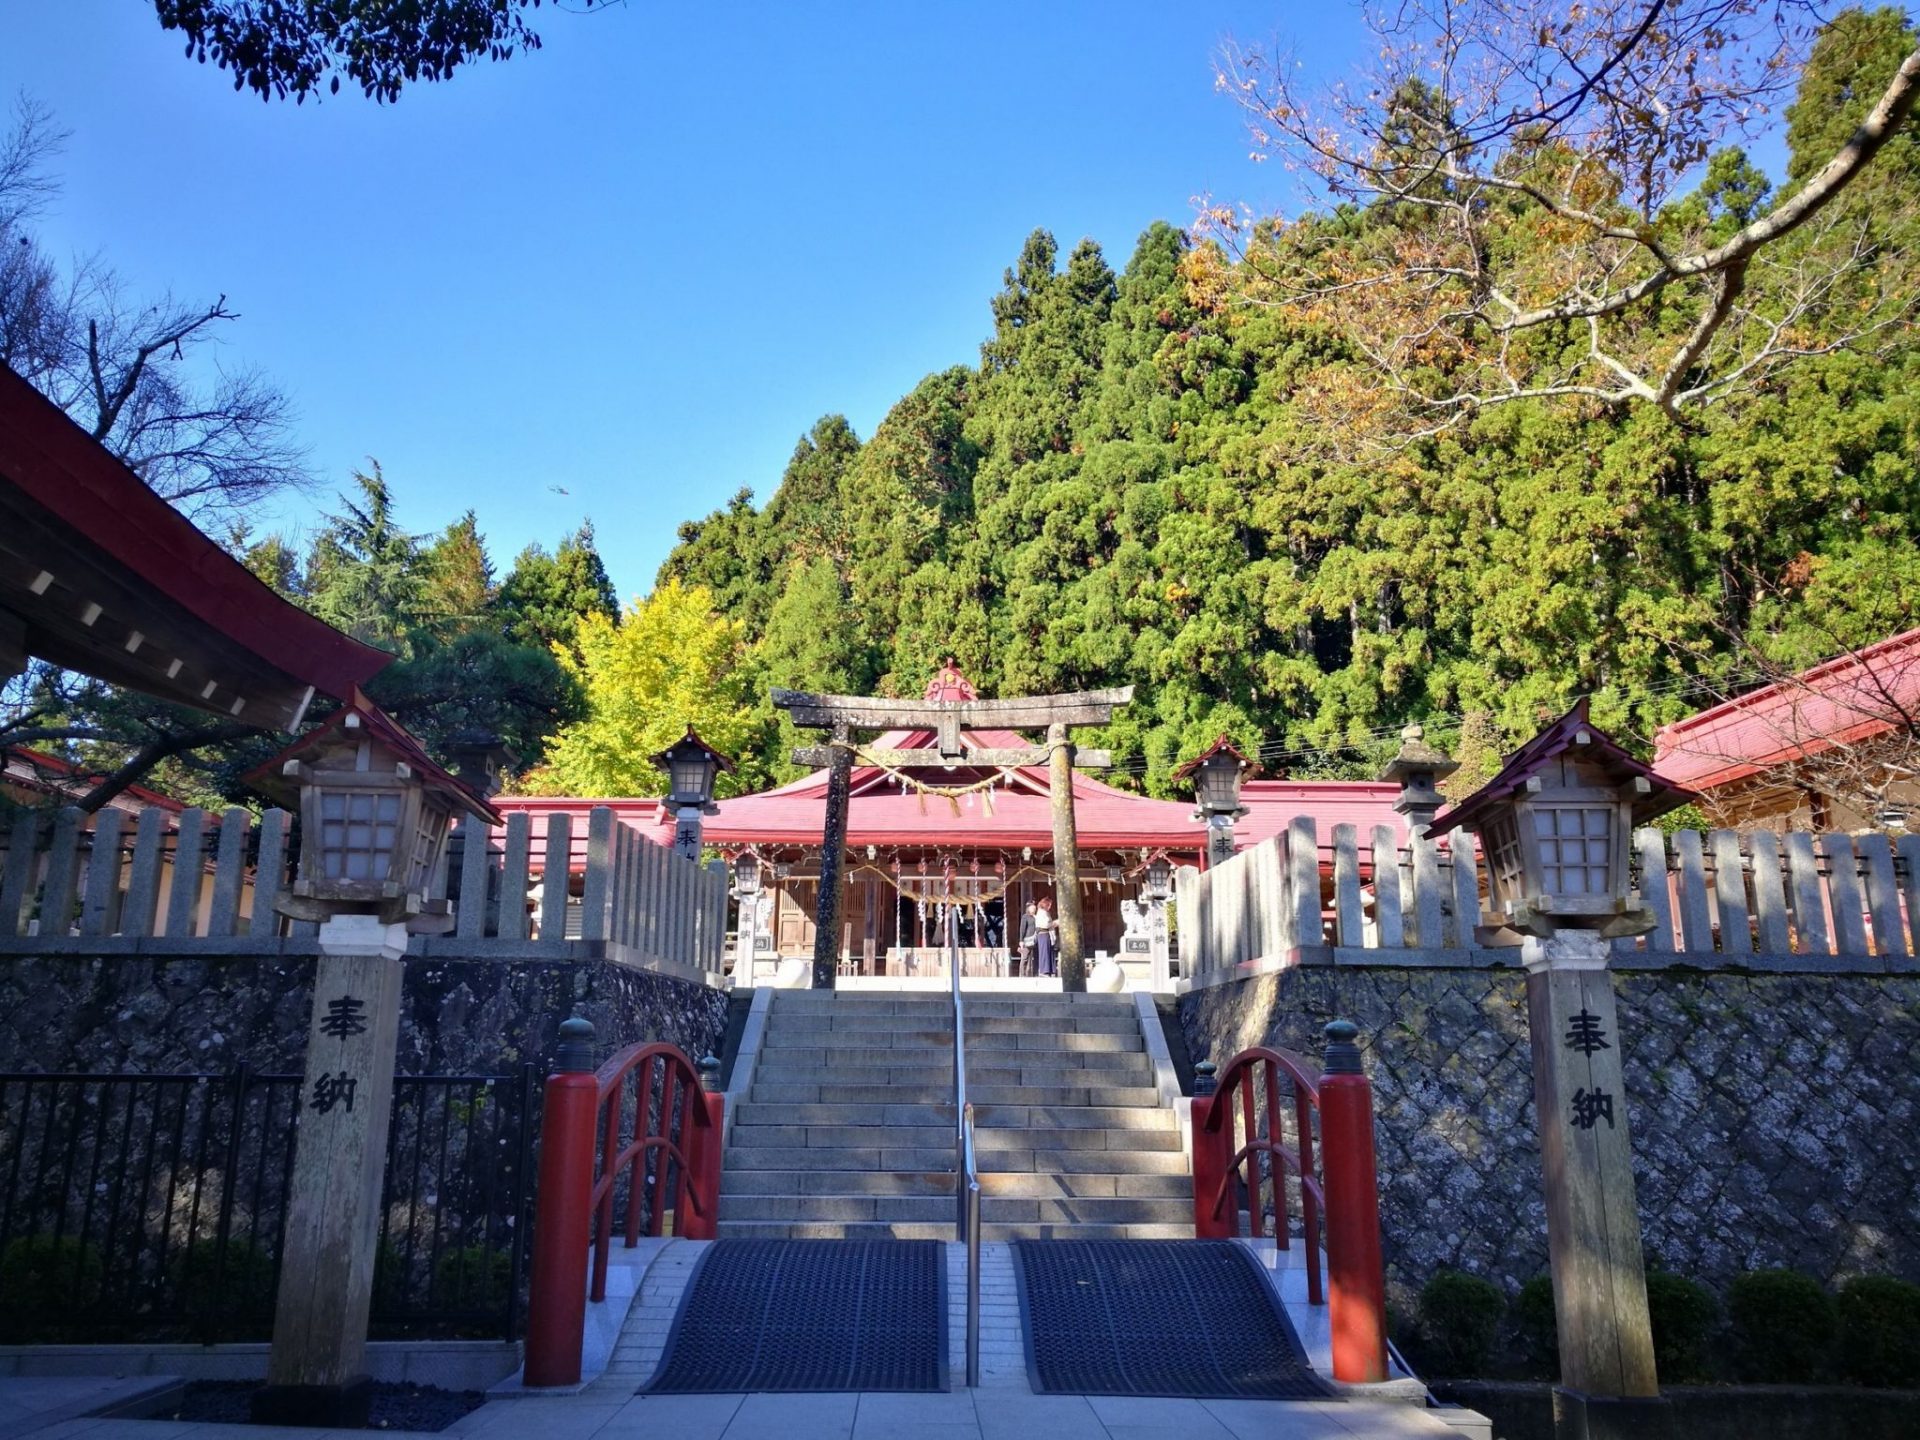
[{"x": 545, "y": 596}]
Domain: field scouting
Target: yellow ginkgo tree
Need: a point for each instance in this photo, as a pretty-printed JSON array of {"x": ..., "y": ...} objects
[{"x": 667, "y": 662}]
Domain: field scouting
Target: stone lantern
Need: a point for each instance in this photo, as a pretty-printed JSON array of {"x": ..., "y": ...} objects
[
  {"x": 1217, "y": 774},
  {"x": 1555, "y": 826},
  {"x": 692, "y": 766},
  {"x": 1159, "y": 878},
  {"x": 746, "y": 935},
  {"x": 1156, "y": 889},
  {"x": 374, "y": 812},
  {"x": 374, "y": 816}
]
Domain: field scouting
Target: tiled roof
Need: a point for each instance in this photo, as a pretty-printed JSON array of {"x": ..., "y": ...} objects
[{"x": 1841, "y": 702}]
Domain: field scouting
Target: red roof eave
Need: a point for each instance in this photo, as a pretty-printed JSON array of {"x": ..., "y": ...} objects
[{"x": 62, "y": 469}]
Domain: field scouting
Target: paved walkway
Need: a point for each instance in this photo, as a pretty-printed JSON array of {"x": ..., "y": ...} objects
[
  {"x": 959, "y": 1415},
  {"x": 1003, "y": 1408}
]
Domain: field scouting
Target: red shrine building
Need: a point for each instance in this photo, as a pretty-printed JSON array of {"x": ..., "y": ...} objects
[{"x": 983, "y": 836}]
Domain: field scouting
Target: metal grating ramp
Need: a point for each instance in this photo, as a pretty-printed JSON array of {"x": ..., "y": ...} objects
[
  {"x": 1188, "y": 1318},
  {"x": 794, "y": 1315}
]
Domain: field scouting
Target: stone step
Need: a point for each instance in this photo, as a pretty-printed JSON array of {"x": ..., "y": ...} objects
[
  {"x": 1034, "y": 1185},
  {"x": 847, "y": 1002},
  {"x": 932, "y": 1066},
  {"x": 847, "y": 1157},
  {"x": 998, "y": 1138},
  {"x": 1016, "y": 1160},
  {"x": 800, "y": 1209},
  {"x": 923, "y": 1230},
  {"x": 794, "y": 1093},
  {"x": 943, "y": 1060},
  {"x": 863, "y": 1182},
  {"x": 994, "y": 1210},
  {"x": 1095, "y": 1023},
  {"x": 775, "y": 1112},
  {"x": 835, "y": 1137},
  {"x": 1073, "y": 1117},
  {"x": 840, "y": 1229},
  {"x": 787, "y": 1039},
  {"x": 1085, "y": 1210}
]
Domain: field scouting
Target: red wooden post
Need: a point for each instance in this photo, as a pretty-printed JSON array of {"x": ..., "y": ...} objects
[
  {"x": 703, "y": 1159},
  {"x": 1211, "y": 1153},
  {"x": 1356, "y": 1276},
  {"x": 557, "y": 1308}
]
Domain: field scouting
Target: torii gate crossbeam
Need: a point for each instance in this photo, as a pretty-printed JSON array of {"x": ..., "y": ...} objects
[{"x": 842, "y": 715}]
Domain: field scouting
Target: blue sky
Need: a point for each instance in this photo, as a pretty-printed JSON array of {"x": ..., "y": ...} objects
[{"x": 637, "y": 264}]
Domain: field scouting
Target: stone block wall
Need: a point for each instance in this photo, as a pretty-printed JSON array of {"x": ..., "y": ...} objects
[
  {"x": 186, "y": 1012},
  {"x": 1774, "y": 1114}
]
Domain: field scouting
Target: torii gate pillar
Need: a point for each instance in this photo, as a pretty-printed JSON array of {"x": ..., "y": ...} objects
[{"x": 947, "y": 716}]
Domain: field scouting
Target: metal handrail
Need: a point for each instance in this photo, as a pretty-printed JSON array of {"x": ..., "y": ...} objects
[{"x": 966, "y": 1167}]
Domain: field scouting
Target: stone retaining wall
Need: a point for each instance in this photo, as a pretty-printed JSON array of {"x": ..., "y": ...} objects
[
  {"x": 207, "y": 1012},
  {"x": 1773, "y": 1113}
]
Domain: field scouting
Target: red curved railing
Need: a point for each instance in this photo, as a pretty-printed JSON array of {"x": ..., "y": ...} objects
[
  {"x": 1252, "y": 1075},
  {"x": 598, "y": 1127},
  {"x": 1240, "y": 1144}
]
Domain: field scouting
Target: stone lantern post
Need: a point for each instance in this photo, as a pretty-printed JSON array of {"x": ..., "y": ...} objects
[
  {"x": 1555, "y": 826},
  {"x": 374, "y": 816},
  {"x": 1217, "y": 774},
  {"x": 692, "y": 766}
]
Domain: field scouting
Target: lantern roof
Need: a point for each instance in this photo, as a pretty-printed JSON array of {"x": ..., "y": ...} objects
[
  {"x": 1222, "y": 746},
  {"x": 1417, "y": 756},
  {"x": 360, "y": 713},
  {"x": 692, "y": 738},
  {"x": 1573, "y": 732}
]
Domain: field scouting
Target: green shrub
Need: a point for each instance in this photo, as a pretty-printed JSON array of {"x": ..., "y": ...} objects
[
  {"x": 1460, "y": 1321},
  {"x": 1683, "y": 1315},
  {"x": 228, "y": 1298},
  {"x": 1880, "y": 1331},
  {"x": 1783, "y": 1326},
  {"x": 46, "y": 1286},
  {"x": 1536, "y": 1327},
  {"x": 474, "y": 1277}
]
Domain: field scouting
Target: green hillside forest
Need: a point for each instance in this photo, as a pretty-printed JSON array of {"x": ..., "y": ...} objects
[{"x": 1138, "y": 484}]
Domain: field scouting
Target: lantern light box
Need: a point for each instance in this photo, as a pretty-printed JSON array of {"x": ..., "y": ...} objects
[
  {"x": 1556, "y": 825},
  {"x": 374, "y": 815}
]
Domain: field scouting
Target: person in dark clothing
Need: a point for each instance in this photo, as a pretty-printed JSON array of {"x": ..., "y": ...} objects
[{"x": 1028, "y": 938}]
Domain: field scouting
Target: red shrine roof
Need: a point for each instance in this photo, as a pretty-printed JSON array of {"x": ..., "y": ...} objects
[
  {"x": 880, "y": 814},
  {"x": 1363, "y": 804},
  {"x": 1841, "y": 702}
]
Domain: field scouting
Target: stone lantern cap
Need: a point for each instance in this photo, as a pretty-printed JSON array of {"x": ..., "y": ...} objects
[
  {"x": 1652, "y": 795},
  {"x": 363, "y": 716},
  {"x": 1202, "y": 765},
  {"x": 1223, "y": 746},
  {"x": 1418, "y": 757}
]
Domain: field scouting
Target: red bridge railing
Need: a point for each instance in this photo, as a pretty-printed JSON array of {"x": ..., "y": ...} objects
[
  {"x": 600, "y": 1132},
  {"x": 1241, "y": 1150}
]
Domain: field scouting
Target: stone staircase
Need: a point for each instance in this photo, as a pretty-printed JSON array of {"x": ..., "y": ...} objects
[{"x": 848, "y": 1128}]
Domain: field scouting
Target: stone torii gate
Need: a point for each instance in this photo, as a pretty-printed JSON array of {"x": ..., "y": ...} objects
[{"x": 951, "y": 706}]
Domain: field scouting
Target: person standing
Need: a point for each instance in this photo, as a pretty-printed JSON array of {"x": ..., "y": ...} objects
[
  {"x": 1043, "y": 936},
  {"x": 1028, "y": 938}
]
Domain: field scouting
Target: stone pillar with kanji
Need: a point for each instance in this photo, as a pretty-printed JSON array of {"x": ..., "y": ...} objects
[
  {"x": 317, "y": 1371},
  {"x": 1593, "y": 1220}
]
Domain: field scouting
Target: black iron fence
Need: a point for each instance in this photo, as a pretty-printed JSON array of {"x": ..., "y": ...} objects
[{"x": 152, "y": 1207}]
